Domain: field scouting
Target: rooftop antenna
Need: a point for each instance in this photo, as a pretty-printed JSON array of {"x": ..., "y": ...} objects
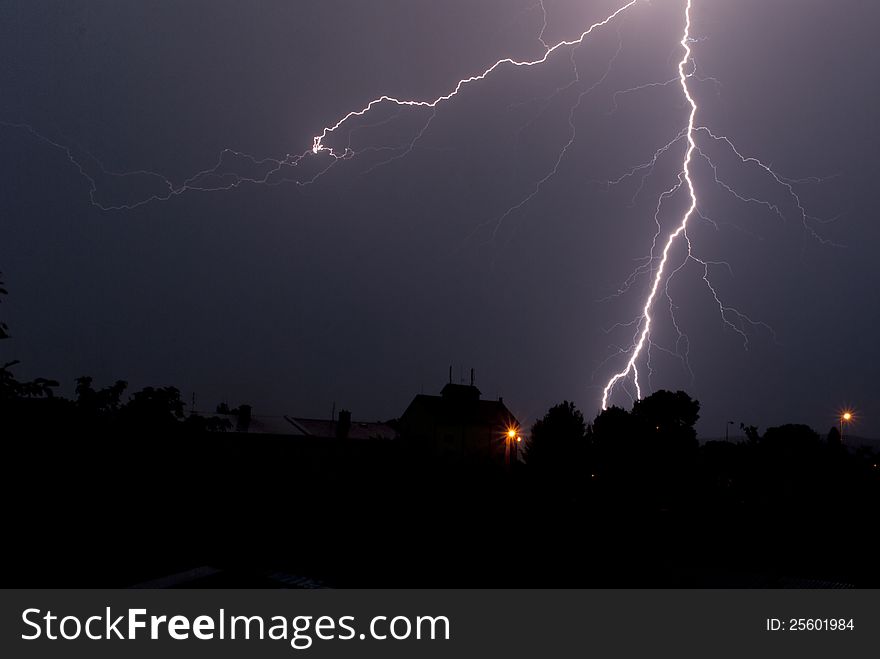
[
  {"x": 450, "y": 374},
  {"x": 472, "y": 377}
]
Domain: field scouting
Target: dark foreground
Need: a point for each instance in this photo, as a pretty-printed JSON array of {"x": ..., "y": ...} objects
[{"x": 117, "y": 511}]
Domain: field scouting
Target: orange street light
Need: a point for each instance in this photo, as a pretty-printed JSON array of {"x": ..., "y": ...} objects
[
  {"x": 845, "y": 417},
  {"x": 511, "y": 445}
]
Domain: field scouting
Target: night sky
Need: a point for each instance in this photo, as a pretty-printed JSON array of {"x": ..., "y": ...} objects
[{"x": 361, "y": 289}]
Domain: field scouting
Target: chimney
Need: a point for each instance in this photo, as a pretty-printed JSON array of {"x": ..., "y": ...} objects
[{"x": 344, "y": 424}]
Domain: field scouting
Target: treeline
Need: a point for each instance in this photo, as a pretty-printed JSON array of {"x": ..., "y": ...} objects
[
  {"x": 33, "y": 407},
  {"x": 108, "y": 488},
  {"x": 633, "y": 499},
  {"x": 649, "y": 457}
]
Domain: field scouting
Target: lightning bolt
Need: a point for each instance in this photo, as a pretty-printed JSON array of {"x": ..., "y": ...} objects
[
  {"x": 645, "y": 319},
  {"x": 656, "y": 266},
  {"x": 227, "y": 173}
]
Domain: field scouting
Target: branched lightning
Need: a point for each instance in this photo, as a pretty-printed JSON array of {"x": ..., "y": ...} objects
[
  {"x": 656, "y": 265},
  {"x": 644, "y": 324},
  {"x": 233, "y": 168}
]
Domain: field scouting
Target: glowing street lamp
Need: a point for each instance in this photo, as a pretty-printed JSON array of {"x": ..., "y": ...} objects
[
  {"x": 845, "y": 417},
  {"x": 513, "y": 440}
]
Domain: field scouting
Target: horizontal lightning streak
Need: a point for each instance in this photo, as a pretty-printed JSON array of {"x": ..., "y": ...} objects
[{"x": 318, "y": 144}]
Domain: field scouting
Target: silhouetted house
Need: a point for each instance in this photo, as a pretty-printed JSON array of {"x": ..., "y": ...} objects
[
  {"x": 301, "y": 450},
  {"x": 458, "y": 427},
  {"x": 342, "y": 428},
  {"x": 342, "y": 448},
  {"x": 241, "y": 420}
]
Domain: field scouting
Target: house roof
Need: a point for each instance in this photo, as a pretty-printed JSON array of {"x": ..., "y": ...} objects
[
  {"x": 461, "y": 410},
  {"x": 263, "y": 425},
  {"x": 357, "y": 429}
]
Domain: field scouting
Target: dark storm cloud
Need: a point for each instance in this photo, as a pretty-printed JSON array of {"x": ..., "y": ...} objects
[{"x": 362, "y": 288}]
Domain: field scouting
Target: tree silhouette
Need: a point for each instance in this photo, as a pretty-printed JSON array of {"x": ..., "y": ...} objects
[
  {"x": 154, "y": 409},
  {"x": 557, "y": 447},
  {"x": 751, "y": 433},
  {"x": 790, "y": 437},
  {"x": 4, "y": 330},
  {"x": 647, "y": 456},
  {"x": 833, "y": 437},
  {"x": 103, "y": 401},
  {"x": 668, "y": 416},
  {"x": 614, "y": 440},
  {"x": 614, "y": 424},
  {"x": 10, "y": 387}
]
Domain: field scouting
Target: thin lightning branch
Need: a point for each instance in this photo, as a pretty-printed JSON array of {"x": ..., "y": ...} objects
[
  {"x": 411, "y": 146},
  {"x": 682, "y": 338},
  {"x": 649, "y": 85},
  {"x": 547, "y": 101},
  {"x": 198, "y": 182},
  {"x": 572, "y": 136},
  {"x": 648, "y": 266},
  {"x": 544, "y": 26},
  {"x": 806, "y": 218},
  {"x": 666, "y": 83},
  {"x": 646, "y": 167}
]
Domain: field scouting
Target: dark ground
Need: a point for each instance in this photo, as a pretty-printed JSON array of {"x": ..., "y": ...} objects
[{"x": 117, "y": 511}]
